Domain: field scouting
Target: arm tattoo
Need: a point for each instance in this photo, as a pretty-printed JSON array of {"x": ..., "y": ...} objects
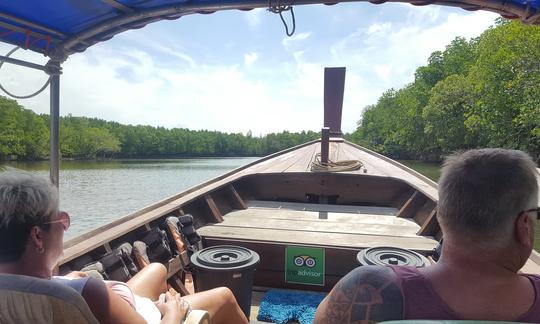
[{"x": 368, "y": 294}]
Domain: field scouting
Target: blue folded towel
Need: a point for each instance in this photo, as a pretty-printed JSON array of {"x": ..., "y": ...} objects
[{"x": 280, "y": 306}]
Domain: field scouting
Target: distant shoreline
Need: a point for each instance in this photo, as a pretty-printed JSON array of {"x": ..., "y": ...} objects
[{"x": 135, "y": 158}]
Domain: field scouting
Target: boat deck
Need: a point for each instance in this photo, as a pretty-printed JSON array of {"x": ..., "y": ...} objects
[{"x": 314, "y": 224}]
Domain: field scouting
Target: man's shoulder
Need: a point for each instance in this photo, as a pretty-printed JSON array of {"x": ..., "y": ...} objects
[{"x": 366, "y": 294}]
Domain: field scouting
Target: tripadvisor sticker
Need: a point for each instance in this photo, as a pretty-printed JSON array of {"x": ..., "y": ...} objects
[{"x": 304, "y": 265}]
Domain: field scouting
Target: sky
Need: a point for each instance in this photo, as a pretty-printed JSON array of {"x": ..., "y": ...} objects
[{"x": 236, "y": 71}]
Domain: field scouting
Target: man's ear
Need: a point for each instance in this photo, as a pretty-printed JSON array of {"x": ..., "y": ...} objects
[
  {"x": 36, "y": 237},
  {"x": 524, "y": 229}
]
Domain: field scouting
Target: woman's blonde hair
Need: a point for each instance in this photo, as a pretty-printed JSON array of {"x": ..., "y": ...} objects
[{"x": 26, "y": 200}]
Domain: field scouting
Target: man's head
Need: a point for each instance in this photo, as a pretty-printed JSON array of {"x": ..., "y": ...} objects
[
  {"x": 29, "y": 219},
  {"x": 483, "y": 192}
]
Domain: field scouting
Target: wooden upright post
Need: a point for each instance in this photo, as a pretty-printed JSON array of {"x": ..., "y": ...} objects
[{"x": 325, "y": 144}]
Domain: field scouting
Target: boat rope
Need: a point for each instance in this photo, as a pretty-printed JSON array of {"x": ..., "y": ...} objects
[
  {"x": 336, "y": 166},
  {"x": 279, "y": 8},
  {"x": 25, "y": 96}
]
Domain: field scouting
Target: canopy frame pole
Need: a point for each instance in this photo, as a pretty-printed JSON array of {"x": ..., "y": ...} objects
[
  {"x": 55, "y": 130},
  {"x": 15, "y": 61},
  {"x": 54, "y": 70}
]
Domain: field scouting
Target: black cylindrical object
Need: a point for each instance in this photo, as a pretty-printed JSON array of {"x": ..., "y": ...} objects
[
  {"x": 388, "y": 255},
  {"x": 226, "y": 266}
]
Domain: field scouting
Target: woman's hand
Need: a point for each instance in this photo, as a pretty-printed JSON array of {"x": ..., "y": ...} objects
[
  {"x": 173, "y": 309},
  {"x": 77, "y": 274}
]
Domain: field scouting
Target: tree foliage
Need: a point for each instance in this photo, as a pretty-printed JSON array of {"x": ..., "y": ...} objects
[
  {"x": 25, "y": 135},
  {"x": 22, "y": 132},
  {"x": 476, "y": 93}
]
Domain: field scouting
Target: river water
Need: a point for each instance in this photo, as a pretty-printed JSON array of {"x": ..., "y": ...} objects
[{"x": 97, "y": 192}]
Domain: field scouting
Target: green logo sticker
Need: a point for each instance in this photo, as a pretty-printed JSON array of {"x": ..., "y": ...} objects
[{"x": 304, "y": 265}]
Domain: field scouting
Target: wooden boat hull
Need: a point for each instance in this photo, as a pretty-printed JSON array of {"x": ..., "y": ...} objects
[{"x": 277, "y": 202}]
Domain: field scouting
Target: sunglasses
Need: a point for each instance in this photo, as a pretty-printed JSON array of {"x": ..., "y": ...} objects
[
  {"x": 63, "y": 218},
  {"x": 537, "y": 210}
]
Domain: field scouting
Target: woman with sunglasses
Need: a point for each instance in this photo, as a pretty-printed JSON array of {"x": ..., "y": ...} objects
[{"x": 31, "y": 243}]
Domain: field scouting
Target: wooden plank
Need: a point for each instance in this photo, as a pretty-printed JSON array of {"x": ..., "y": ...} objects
[
  {"x": 345, "y": 153},
  {"x": 214, "y": 208},
  {"x": 431, "y": 226},
  {"x": 99, "y": 236},
  {"x": 408, "y": 201},
  {"x": 413, "y": 204},
  {"x": 286, "y": 161},
  {"x": 303, "y": 162},
  {"x": 315, "y": 238},
  {"x": 373, "y": 166},
  {"x": 321, "y": 226},
  {"x": 535, "y": 257},
  {"x": 422, "y": 214},
  {"x": 239, "y": 202},
  {"x": 351, "y": 190},
  {"x": 107, "y": 247},
  {"x": 256, "y": 298},
  {"x": 174, "y": 274},
  {"x": 389, "y": 211},
  {"x": 176, "y": 282},
  {"x": 377, "y": 164},
  {"x": 353, "y": 219},
  {"x": 531, "y": 267},
  {"x": 334, "y": 152}
]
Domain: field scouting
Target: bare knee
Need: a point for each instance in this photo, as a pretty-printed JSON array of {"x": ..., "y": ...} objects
[
  {"x": 157, "y": 269},
  {"x": 226, "y": 294}
]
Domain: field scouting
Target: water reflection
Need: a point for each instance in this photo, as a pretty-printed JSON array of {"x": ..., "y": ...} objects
[{"x": 430, "y": 170}]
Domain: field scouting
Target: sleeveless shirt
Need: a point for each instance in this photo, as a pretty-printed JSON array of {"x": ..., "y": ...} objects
[{"x": 420, "y": 301}]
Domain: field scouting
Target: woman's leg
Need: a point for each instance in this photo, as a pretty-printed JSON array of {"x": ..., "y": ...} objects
[
  {"x": 150, "y": 282},
  {"x": 219, "y": 303}
]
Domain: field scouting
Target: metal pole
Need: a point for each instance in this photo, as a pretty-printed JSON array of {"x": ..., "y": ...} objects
[
  {"x": 55, "y": 129},
  {"x": 22, "y": 63}
]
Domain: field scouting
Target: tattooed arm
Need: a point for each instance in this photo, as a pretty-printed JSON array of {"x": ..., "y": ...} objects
[{"x": 368, "y": 294}]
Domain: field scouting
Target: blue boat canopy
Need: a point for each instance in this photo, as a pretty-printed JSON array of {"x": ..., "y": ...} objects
[{"x": 58, "y": 28}]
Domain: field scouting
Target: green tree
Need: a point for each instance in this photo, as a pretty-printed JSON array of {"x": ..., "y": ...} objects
[{"x": 451, "y": 101}]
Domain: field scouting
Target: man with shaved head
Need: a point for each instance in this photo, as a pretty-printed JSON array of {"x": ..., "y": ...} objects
[{"x": 487, "y": 210}]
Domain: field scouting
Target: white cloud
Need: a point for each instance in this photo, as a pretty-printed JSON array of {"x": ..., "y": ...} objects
[
  {"x": 250, "y": 58},
  {"x": 163, "y": 46},
  {"x": 379, "y": 27},
  {"x": 289, "y": 42},
  {"x": 254, "y": 17},
  {"x": 387, "y": 53},
  {"x": 422, "y": 15},
  {"x": 383, "y": 71},
  {"x": 206, "y": 97},
  {"x": 130, "y": 83}
]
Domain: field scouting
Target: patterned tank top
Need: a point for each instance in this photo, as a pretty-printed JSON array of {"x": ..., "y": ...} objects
[{"x": 420, "y": 301}]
